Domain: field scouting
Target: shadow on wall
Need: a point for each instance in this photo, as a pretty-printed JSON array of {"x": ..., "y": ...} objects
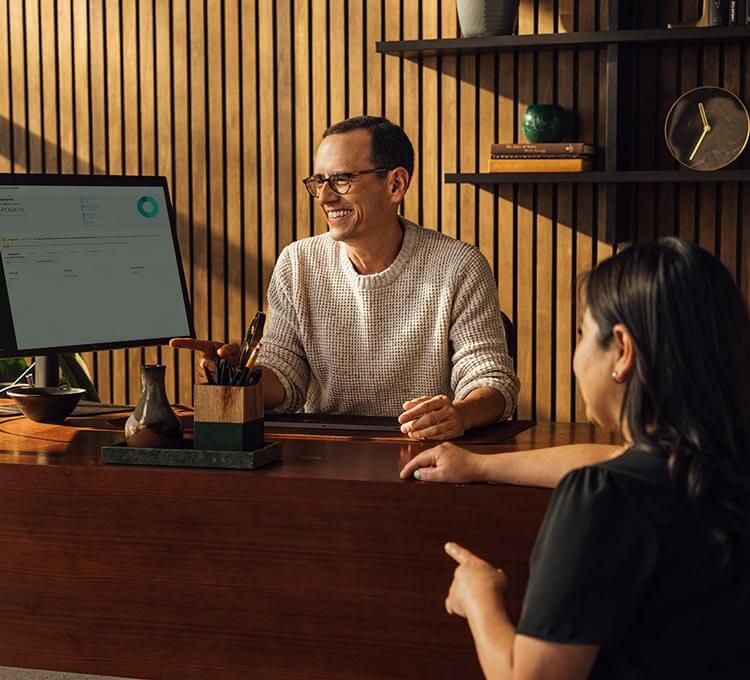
[
  {"x": 11, "y": 134},
  {"x": 195, "y": 243}
]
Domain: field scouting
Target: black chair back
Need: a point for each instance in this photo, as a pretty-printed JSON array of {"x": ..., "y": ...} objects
[{"x": 510, "y": 336}]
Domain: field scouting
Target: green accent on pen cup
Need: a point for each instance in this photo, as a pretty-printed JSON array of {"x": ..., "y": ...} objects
[
  {"x": 229, "y": 436},
  {"x": 544, "y": 123}
]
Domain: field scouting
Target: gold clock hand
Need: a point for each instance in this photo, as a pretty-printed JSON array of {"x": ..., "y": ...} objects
[
  {"x": 699, "y": 142},
  {"x": 702, "y": 110}
]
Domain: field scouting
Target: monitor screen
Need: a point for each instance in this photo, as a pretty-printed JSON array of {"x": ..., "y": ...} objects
[{"x": 88, "y": 262}]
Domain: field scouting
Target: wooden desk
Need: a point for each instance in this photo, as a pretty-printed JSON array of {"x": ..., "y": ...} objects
[{"x": 326, "y": 566}]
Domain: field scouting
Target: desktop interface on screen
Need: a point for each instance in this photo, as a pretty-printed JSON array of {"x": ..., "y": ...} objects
[{"x": 87, "y": 266}]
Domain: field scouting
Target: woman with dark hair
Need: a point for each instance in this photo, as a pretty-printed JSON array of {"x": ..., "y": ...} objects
[{"x": 641, "y": 568}]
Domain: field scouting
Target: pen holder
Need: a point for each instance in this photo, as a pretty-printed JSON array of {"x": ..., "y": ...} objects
[{"x": 228, "y": 418}]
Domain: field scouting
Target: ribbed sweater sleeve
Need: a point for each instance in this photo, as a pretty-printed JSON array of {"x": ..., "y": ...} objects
[
  {"x": 477, "y": 339},
  {"x": 283, "y": 351}
]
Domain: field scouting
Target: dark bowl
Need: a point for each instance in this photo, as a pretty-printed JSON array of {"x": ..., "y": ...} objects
[{"x": 46, "y": 404}]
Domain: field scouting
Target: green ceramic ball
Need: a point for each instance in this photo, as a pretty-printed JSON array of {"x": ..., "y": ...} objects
[{"x": 543, "y": 123}]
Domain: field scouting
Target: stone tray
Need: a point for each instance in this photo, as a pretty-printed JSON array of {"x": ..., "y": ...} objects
[{"x": 121, "y": 454}]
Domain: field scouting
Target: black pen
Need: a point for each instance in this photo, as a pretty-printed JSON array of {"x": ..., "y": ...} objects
[
  {"x": 252, "y": 336},
  {"x": 240, "y": 378},
  {"x": 209, "y": 378}
]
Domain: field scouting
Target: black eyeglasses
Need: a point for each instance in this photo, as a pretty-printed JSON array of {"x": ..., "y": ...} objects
[{"x": 340, "y": 182}]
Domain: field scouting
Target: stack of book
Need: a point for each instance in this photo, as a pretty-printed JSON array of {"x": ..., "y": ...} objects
[{"x": 551, "y": 157}]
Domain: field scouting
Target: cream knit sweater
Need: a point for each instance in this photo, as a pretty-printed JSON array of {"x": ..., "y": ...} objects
[{"x": 341, "y": 342}]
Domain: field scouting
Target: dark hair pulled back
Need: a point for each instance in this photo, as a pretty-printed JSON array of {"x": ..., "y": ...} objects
[{"x": 688, "y": 398}]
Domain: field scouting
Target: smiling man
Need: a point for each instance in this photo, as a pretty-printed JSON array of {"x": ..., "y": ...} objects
[{"x": 380, "y": 316}]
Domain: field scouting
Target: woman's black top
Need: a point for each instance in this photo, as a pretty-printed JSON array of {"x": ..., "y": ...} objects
[{"x": 621, "y": 563}]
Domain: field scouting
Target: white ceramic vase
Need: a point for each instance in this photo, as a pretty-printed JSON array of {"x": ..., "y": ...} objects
[{"x": 487, "y": 17}]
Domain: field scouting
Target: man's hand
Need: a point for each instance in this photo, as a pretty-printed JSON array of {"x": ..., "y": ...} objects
[
  {"x": 445, "y": 463},
  {"x": 208, "y": 352},
  {"x": 477, "y": 585},
  {"x": 432, "y": 418}
]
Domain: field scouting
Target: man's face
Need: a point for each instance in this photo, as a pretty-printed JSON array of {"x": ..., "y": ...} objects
[{"x": 360, "y": 210}]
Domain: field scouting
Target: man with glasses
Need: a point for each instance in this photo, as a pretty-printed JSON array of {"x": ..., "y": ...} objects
[{"x": 380, "y": 316}]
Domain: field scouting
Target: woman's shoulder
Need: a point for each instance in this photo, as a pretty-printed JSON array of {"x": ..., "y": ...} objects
[
  {"x": 635, "y": 464},
  {"x": 634, "y": 482}
]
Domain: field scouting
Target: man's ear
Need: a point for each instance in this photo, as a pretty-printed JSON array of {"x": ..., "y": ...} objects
[
  {"x": 625, "y": 346},
  {"x": 398, "y": 183}
]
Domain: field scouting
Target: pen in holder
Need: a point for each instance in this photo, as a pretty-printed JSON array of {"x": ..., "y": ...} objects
[{"x": 228, "y": 418}]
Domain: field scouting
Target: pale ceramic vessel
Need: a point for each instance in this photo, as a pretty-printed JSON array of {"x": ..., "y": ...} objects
[{"x": 487, "y": 17}]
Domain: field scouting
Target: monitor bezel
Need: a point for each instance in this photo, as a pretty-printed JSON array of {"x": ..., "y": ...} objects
[{"x": 15, "y": 179}]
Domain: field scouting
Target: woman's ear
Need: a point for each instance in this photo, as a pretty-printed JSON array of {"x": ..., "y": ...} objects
[{"x": 625, "y": 346}]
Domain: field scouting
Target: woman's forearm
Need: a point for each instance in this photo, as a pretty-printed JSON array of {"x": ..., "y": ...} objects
[
  {"x": 493, "y": 635},
  {"x": 543, "y": 467}
]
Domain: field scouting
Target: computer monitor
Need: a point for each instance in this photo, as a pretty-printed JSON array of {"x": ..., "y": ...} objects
[{"x": 86, "y": 263}]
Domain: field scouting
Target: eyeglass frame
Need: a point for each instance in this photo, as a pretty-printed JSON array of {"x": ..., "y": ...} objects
[{"x": 320, "y": 181}]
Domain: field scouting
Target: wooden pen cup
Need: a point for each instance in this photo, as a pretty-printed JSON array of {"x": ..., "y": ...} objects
[{"x": 228, "y": 418}]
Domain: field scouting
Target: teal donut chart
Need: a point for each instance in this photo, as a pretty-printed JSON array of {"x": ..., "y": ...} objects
[{"x": 147, "y": 206}]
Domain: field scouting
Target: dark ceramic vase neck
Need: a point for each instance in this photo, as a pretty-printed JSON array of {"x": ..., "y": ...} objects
[
  {"x": 153, "y": 423},
  {"x": 153, "y": 384}
]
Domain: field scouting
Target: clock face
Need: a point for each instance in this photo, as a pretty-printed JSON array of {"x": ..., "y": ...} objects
[{"x": 707, "y": 128}]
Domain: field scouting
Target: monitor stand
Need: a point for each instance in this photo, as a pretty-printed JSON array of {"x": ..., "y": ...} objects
[{"x": 47, "y": 371}]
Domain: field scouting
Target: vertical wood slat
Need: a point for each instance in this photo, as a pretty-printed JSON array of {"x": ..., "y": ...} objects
[
  {"x": 214, "y": 133},
  {"x": 266, "y": 123},
  {"x": 584, "y": 108},
  {"x": 355, "y": 45},
  {"x": 84, "y": 163},
  {"x": 6, "y": 129},
  {"x": 430, "y": 179},
  {"x": 250, "y": 160},
  {"x": 525, "y": 223},
  {"x": 197, "y": 164},
  {"x": 34, "y": 134},
  {"x": 232, "y": 163},
  {"x": 286, "y": 183},
  {"x": 161, "y": 79},
  {"x": 17, "y": 59},
  {"x": 320, "y": 93},
  {"x": 302, "y": 118},
  {"x": 412, "y": 108},
  {"x": 448, "y": 161},
  {"x": 132, "y": 121},
  {"x": 151, "y": 147},
  {"x": 228, "y": 99},
  {"x": 373, "y": 61},
  {"x": 544, "y": 282}
]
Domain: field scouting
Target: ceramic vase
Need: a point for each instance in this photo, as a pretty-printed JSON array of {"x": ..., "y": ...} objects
[
  {"x": 544, "y": 123},
  {"x": 153, "y": 423},
  {"x": 487, "y": 17}
]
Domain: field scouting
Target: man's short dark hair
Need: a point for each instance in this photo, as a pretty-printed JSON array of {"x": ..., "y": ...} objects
[{"x": 389, "y": 146}]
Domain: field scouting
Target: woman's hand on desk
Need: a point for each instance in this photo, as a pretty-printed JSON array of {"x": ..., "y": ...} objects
[
  {"x": 446, "y": 463},
  {"x": 208, "y": 351}
]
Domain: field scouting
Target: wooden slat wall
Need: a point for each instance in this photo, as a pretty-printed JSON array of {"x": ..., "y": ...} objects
[{"x": 228, "y": 99}]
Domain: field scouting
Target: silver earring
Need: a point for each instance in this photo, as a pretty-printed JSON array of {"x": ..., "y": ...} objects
[{"x": 616, "y": 377}]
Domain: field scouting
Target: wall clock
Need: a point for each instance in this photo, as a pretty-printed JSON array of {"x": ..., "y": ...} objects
[{"x": 707, "y": 128}]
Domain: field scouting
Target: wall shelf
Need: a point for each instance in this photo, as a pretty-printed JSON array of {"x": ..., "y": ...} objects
[
  {"x": 413, "y": 49},
  {"x": 620, "y": 42},
  {"x": 596, "y": 177}
]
